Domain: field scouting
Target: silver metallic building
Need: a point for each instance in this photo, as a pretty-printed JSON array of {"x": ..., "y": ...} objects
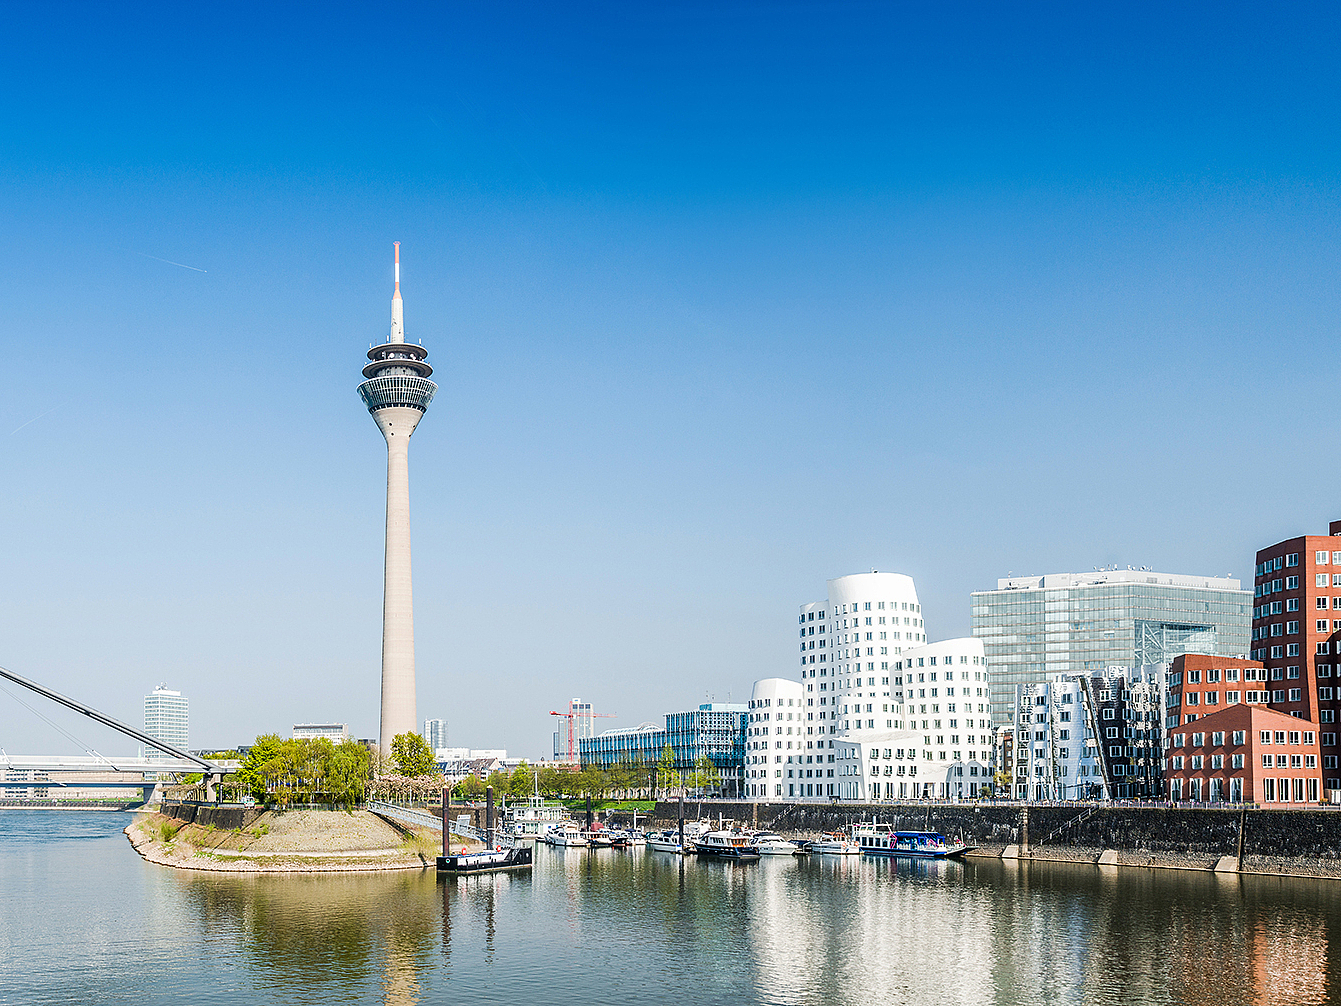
[{"x": 1072, "y": 623}]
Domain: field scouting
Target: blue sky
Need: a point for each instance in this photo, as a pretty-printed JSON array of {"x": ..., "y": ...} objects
[{"x": 724, "y": 300}]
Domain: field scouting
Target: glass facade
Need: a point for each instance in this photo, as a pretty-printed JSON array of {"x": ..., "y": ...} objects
[
  {"x": 714, "y": 729},
  {"x": 399, "y": 390},
  {"x": 1074, "y": 623}
]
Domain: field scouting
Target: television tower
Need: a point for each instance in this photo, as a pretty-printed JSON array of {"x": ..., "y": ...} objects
[{"x": 397, "y": 392}]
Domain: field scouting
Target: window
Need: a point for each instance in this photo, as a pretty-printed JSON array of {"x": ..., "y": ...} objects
[
  {"x": 1320, "y": 580},
  {"x": 1265, "y": 737},
  {"x": 1292, "y": 628},
  {"x": 1238, "y": 736},
  {"x": 1218, "y": 739},
  {"x": 1236, "y": 761},
  {"x": 1321, "y": 603},
  {"x": 1198, "y": 740},
  {"x": 1324, "y": 647},
  {"x": 1290, "y": 560},
  {"x": 1292, "y": 583},
  {"x": 1296, "y": 695},
  {"x": 1320, "y": 558}
]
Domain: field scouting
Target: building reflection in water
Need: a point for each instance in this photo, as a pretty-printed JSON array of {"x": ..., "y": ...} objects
[{"x": 779, "y": 931}]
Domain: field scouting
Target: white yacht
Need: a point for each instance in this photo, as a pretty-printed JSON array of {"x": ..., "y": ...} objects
[
  {"x": 835, "y": 844},
  {"x": 770, "y": 844},
  {"x": 564, "y": 834}
]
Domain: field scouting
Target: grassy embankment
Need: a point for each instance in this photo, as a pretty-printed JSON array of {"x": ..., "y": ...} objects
[{"x": 291, "y": 842}]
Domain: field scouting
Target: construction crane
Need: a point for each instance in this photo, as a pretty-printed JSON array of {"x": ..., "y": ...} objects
[{"x": 577, "y": 712}]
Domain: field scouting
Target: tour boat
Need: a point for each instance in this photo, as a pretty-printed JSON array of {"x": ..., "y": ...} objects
[
  {"x": 726, "y": 845},
  {"x": 882, "y": 840},
  {"x": 564, "y": 834},
  {"x": 489, "y": 861},
  {"x": 770, "y": 844},
  {"x": 834, "y": 844}
]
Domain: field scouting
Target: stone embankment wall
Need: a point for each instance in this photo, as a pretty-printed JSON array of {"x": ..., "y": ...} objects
[
  {"x": 1297, "y": 842},
  {"x": 222, "y": 817}
]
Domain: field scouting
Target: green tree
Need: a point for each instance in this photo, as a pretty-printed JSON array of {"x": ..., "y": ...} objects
[
  {"x": 257, "y": 771},
  {"x": 347, "y": 772},
  {"x": 666, "y": 774},
  {"x": 705, "y": 775},
  {"x": 521, "y": 782},
  {"x": 412, "y": 755},
  {"x": 469, "y": 788}
]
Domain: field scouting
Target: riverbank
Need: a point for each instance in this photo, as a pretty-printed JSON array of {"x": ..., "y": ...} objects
[
  {"x": 1234, "y": 840},
  {"x": 294, "y": 841}
]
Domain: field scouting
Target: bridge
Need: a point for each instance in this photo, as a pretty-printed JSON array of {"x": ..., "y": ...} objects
[{"x": 176, "y": 760}]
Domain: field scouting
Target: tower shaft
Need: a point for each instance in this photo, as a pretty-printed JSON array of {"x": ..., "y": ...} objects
[{"x": 399, "y": 714}]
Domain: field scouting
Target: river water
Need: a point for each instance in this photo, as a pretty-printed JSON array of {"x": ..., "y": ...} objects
[{"x": 84, "y": 919}]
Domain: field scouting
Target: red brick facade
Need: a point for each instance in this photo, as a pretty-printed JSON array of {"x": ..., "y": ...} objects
[
  {"x": 1244, "y": 754},
  {"x": 1296, "y": 631}
]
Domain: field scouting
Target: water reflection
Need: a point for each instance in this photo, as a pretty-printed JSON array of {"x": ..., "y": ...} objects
[
  {"x": 324, "y": 934},
  {"x": 640, "y": 927}
]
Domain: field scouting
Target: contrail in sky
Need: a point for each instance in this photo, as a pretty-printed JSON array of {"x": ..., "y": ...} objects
[
  {"x": 49, "y": 411},
  {"x": 168, "y": 261}
]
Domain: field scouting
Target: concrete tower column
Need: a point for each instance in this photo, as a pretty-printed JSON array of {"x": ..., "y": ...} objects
[
  {"x": 398, "y": 687},
  {"x": 397, "y": 393}
]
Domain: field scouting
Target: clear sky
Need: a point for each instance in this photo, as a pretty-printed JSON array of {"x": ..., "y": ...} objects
[{"x": 724, "y": 300}]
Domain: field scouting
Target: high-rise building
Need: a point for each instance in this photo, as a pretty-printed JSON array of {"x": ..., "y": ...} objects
[
  {"x": 397, "y": 392},
  {"x": 1296, "y": 632},
  {"x": 166, "y": 718},
  {"x": 886, "y": 714},
  {"x": 1071, "y": 623},
  {"x": 435, "y": 733}
]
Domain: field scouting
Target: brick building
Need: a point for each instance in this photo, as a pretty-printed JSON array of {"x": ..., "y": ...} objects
[
  {"x": 1244, "y": 754},
  {"x": 1295, "y": 633}
]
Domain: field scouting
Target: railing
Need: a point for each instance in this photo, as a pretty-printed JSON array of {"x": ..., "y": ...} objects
[{"x": 423, "y": 819}]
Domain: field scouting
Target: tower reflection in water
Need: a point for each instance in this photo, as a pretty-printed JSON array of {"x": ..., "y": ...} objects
[{"x": 332, "y": 936}]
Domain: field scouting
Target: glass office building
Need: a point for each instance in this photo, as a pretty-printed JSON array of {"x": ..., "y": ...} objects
[
  {"x": 714, "y": 729},
  {"x": 1072, "y": 623}
]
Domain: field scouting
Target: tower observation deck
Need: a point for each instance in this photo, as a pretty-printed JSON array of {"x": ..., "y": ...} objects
[{"x": 397, "y": 392}]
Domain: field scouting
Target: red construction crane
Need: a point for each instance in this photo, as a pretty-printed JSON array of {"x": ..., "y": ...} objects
[{"x": 578, "y": 711}]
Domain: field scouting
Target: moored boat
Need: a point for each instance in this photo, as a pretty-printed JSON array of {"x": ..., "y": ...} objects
[
  {"x": 770, "y": 844},
  {"x": 726, "y": 845},
  {"x": 488, "y": 861},
  {"x": 882, "y": 840},
  {"x": 666, "y": 841},
  {"x": 834, "y": 844},
  {"x": 564, "y": 835}
]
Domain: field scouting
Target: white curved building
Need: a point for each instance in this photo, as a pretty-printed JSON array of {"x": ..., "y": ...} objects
[
  {"x": 774, "y": 731},
  {"x": 871, "y": 684}
]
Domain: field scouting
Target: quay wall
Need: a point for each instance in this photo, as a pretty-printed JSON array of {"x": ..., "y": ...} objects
[
  {"x": 1297, "y": 842},
  {"x": 224, "y": 817}
]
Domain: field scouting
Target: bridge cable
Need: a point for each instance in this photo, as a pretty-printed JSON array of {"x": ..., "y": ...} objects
[{"x": 55, "y": 726}]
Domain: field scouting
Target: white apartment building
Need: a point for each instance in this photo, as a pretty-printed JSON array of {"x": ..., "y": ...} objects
[
  {"x": 871, "y": 683},
  {"x": 775, "y": 730}
]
